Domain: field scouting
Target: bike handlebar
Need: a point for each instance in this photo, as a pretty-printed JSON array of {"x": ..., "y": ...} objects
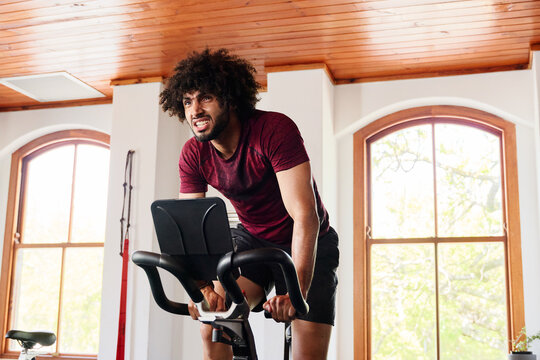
[
  {"x": 231, "y": 261},
  {"x": 227, "y": 265},
  {"x": 149, "y": 262}
]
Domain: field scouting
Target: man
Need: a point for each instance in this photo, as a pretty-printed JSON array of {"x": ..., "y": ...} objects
[{"x": 258, "y": 161}]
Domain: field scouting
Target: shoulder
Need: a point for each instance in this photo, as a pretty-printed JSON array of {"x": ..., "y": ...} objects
[
  {"x": 191, "y": 150},
  {"x": 261, "y": 116},
  {"x": 190, "y": 146},
  {"x": 271, "y": 121}
]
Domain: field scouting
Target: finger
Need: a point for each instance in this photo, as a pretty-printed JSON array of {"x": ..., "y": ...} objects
[
  {"x": 193, "y": 311},
  {"x": 292, "y": 313},
  {"x": 193, "y": 315},
  {"x": 267, "y": 306},
  {"x": 220, "y": 304},
  {"x": 213, "y": 303},
  {"x": 287, "y": 311},
  {"x": 279, "y": 310}
]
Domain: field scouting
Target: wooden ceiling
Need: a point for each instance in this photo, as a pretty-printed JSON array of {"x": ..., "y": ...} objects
[{"x": 99, "y": 41}]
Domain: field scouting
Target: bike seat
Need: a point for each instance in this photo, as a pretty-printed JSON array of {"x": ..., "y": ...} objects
[{"x": 30, "y": 338}]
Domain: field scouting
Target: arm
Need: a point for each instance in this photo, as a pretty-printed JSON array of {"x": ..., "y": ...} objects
[
  {"x": 299, "y": 200},
  {"x": 191, "y": 195}
]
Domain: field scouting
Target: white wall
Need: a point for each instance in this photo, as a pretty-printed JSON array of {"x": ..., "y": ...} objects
[
  {"x": 327, "y": 116},
  {"x": 138, "y": 124},
  {"x": 20, "y": 127},
  {"x": 511, "y": 95},
  {"x": 508, "y": 94}
]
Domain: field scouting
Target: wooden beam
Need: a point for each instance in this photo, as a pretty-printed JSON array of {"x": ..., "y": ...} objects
[
  {"x": 57, "y": 104},
  {"x": 137, "y": 81}
]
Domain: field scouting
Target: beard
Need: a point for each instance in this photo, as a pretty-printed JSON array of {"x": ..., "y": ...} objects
[{"x": 220, "y": 123}]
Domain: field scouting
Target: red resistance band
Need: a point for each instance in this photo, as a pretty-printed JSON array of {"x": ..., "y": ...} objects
[
  {"x": 120, "y": 347},
  {"x": 124, "y": 252}
]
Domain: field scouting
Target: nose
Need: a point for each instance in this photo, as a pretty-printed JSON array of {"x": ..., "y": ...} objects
[{"x": 197, "y": 108}]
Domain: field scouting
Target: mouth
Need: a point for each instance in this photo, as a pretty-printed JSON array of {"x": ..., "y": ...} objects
[{"x": 201, "y": 124}]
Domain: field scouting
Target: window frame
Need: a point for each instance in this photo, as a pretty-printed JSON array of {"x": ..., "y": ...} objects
[
  {"x": 13, "y": 216},
  {"x": 510, "y": 195}
]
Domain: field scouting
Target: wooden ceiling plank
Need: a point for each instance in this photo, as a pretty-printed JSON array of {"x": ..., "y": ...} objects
[
  {"x": 418, "y": 33},
  {"x": 249, "y": 7},
  {"x": 427, "y": 66},
  {"x": 161, "y": 9},
  {"x": 524, "y": 37},
  {"x": 359, "y": 41},
  {"x": 339, "y": 47},
  {"x": 401, "y": 75},
  {"x": 82, "y": 5},
  {"x": 16, "y": 6},
  {"x": 74, "y": 41},
  {"x": 439, "y": 61},
  {"x": 131, "y": 69},
  {"x": 149, "y": 65},
  {"x": 392, "y": 37},
  {"x": 398, "y": 73},
  {"x": 334, "y": 49},
  {"x": 365, "y": 57},
  {"x": 307, "y": 21},
  {"x": 402, "y": 39},
  {"x": 226, "y": 10},
  {"x": 47, "y": 7},
  {"x": 137, "y": 68},
  {"x": 399, "y": 47}
]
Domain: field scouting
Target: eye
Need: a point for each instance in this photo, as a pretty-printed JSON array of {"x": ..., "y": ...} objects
[
  {"x": 207, "y": 98},
  {"x": 187, "y": 102}
]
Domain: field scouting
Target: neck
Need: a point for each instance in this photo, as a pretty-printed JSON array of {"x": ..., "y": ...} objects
[{"x": 227, "y": 142}]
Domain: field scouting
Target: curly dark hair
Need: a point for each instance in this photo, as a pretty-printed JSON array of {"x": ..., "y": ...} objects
[{"x": 230, "y": 78}]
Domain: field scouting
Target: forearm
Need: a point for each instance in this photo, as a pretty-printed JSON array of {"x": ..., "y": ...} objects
[
  {"x": 299, "y": 200},
  {"x": 304, "y": 249}
]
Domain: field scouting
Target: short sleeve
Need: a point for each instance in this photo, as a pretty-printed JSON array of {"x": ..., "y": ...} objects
[
  {"x": 282, "y": 143},
  {"x": 191, "y": 179}
]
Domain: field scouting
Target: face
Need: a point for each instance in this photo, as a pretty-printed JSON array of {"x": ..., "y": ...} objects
[{"x": 206, "y": 117}]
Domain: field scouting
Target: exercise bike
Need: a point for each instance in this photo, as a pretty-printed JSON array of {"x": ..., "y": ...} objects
[
  {"x": 28, "y": 340},
  {"x": 195, "y": 243}
]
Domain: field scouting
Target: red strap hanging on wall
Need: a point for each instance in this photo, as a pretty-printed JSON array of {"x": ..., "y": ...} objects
[
  {"x": 124, "y": 252},
  {"x": 120, "y": 345}
]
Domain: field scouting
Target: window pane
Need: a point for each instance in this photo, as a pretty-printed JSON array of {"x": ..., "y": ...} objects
[
  {"x": 36, "y": 289},
  {"x": 81, "y": 300},
  {"x": 472, "y": 301},
  {"x": 48, "y": 196},
  {"x": 469, "y": 196},
  {"x": 90, "y": 196},
  {"x": 402, "y": 184},
  {"x": 403, "y": 325}
]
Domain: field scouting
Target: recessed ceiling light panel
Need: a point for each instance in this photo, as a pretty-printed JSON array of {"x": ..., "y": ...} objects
[{"x": 59, "y": 86}]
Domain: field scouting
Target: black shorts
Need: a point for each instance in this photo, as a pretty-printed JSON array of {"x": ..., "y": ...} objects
[{"x": 322, "y": 293}]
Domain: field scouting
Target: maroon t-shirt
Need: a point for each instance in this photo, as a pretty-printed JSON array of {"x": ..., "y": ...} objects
[{"x": 270, "y": 142}]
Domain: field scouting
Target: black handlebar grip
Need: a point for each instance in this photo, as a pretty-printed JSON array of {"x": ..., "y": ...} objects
[
  {"x": 231, "y": 261},
  {"x": 149, "y": 262}
]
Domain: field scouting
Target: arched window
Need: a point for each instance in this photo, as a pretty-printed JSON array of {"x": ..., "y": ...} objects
[
  {"x": 437, "y": 239},
  {"x": 53, "y": 246}
]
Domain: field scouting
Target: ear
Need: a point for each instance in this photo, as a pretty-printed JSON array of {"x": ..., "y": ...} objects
[{"x": 230, "y": 107}]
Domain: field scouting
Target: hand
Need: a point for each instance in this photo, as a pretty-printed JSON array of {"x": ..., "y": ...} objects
[
  {"x": 281, "y": 308},
  {"x": 214, "y": 302}
]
